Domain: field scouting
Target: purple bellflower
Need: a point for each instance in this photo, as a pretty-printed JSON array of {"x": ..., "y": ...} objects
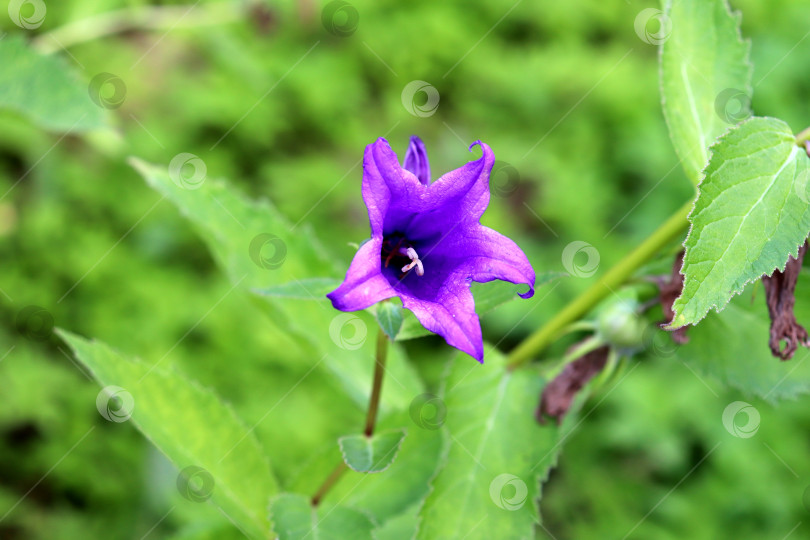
[{"x": 427, "y": 245}]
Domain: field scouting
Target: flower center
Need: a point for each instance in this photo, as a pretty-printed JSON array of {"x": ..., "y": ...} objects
[{"x": 397, "y": 251}]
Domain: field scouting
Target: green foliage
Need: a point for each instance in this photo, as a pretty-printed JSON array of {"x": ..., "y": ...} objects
[
  {"x": 750, "y": 215},
  {"x": 371, "y": 454},
  {"x": 192, "y": 427},
  {"x": 705, "y": 77},
  {"x": 389, "y": 316},
  {"x": 295, "y": 519},
  {"x": 255, "y": 245},
  {"x": 731, "y": 348},
  {"x": 497, "y": 458},
  {"x": 45, "y": 89}
]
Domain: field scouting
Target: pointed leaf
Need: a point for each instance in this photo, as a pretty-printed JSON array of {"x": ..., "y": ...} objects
[
  {"x": 371, "y": 454},
  {"x": 705, "y": 77},
  {"x": 202, "y": 436},
  {"x": 750, "y": 215},
  {"x": 389, "y": 316},
  {"x": 295, "y": 519}
]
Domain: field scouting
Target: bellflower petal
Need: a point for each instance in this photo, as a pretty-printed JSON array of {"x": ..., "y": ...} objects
[
  {"x": 427, "y": 245},
  {"x": 416, "y": 160},
  {"x": 364, "y": 284},
  {"x": 484, "y": 255}
]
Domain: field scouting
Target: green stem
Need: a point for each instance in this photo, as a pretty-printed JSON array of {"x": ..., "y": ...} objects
[
  {"x": 803, "y": 136},
  {"x": 371, "y": 417},
  {"x": 328, "y": 483},
  {"x": 137, "y": 18},
  {"x": 376, "y": 389},
  {"x": 616, "y": 276}
]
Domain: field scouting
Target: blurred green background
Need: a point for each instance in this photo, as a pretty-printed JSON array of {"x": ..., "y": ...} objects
[{"x": 565, "y": 93}]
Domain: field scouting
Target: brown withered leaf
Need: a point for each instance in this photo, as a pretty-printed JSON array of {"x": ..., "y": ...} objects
[
  {"x": 780, "y": 289},
  {"x": 557, "y": 396},
  {"x": 668, "y": 291}
]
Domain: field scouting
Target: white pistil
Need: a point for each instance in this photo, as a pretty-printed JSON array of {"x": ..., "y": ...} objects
[{"x": 415, "y": 262}]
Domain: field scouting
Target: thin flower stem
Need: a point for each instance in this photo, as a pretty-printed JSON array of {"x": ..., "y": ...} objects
[
  {"x": 537, "y": 342},
  {"x": 371, "y": 417},
  {"x": 329, "y": 483},
  {"x": 376, "y": 389}
]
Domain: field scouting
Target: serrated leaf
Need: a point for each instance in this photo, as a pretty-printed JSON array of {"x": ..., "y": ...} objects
[
  {"x": 389, "y": 316},
  {"x": 295, "y": 519},
  {"x": 45, "y": 89},
  {"x": 497, "y": 458},
  {"x": 192, "y": 427},
  {"x": 304, "y": 289},
  {"x": 258, "y": 249},
  {"x": 371, "y": 454},
  {"x": 750, "y": 215},
  {"x": 488, "y": 296},
  {"x": 732, "y": 348},
  {"x": 705, "y": 77}
]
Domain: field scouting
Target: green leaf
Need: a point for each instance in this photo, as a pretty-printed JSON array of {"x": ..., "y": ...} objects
[
  {"x": 45, "y": 89},
  {"x": 192, "y": 427},
  {"x": 705, "y": 77},
  {"x": 498, "y": 454},
  {"x": 295, "y": 519},
  {"x": 304, "y": 289},
  {"x": 750, "y": 215},
  {"x": 258, "y": 249},
  {"x": 371, "y": 454},
  {"x": 389, "y": 317},
  {"x": 488, "y": 296},
  {"x": 732, "y": 348}
]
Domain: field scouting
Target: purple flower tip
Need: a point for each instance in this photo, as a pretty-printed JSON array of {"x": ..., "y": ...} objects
[
  {"x": 416, "y": 160},
  {"x": 427, "y": 245}
]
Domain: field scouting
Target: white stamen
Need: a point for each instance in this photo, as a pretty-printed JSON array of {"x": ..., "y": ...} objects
[{"x": 415, "y": 262}]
